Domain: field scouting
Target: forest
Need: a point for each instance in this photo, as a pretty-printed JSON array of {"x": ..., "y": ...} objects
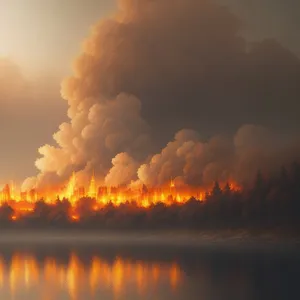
[{"x": 268, "y": 203}]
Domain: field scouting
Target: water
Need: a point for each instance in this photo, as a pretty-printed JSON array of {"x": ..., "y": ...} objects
[{"x": 145, "y": 272}]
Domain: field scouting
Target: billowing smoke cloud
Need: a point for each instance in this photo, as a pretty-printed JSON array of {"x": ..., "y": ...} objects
[
  {"x": 124, "y": 170},
  {"x": 99, "y": 130},
  {"x": 187, "y": 58},
  {"x": 189, "y": 67},
  {"x": 194, "y": 162}
]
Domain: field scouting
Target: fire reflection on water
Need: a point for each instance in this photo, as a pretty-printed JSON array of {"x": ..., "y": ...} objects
[{"x": 51, "y": 277}]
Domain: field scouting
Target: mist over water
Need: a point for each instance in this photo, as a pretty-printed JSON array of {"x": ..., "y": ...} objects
[{"x": 150, "y": 270}]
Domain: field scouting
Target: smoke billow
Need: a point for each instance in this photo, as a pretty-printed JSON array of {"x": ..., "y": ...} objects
[
  {"x": 252, "y": 148},
  {"x": 124, "y": 170},
  {"x": 98, "y": 131},
  {"x": 153, "y": 64}
]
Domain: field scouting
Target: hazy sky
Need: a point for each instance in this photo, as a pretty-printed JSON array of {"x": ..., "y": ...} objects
[
  {"x": 42, "y": 37},
  {"x": 45, "y": 35},
  {"x": 278, "y": 19}
]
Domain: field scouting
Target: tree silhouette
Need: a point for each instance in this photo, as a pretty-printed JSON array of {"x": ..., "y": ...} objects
[
  {"x": 41, "y": 209},
  {"x": 6, "y": 212},
  {"x": 259, "y": 182},
  {"x": 216, "y": 191},
  {"x": 227, "y": 189}
]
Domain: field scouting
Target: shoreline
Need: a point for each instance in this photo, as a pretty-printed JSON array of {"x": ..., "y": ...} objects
[{"x": 168, "y": 239}]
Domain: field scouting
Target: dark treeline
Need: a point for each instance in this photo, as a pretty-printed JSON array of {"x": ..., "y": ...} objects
[{"x": 269, "y": 203}]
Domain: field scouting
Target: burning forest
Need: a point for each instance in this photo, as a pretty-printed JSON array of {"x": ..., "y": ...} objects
[
  {"x": 74, "y": 194},
  {"x": 268, "y": 203},
  {"x": 112, "y": 156}
]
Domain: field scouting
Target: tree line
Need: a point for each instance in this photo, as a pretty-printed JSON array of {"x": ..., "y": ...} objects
[{"x": 268, "y": 203}]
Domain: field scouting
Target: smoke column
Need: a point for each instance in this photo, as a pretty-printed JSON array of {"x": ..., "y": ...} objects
[{"x": 153, "y": 47}]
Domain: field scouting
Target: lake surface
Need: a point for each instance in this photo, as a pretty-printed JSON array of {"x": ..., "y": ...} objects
[{"x": 155, "y": 273}]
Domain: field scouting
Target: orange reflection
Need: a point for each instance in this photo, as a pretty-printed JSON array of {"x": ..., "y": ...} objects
[
  {"x": 118, "y": 275},
  {"x": 24, "y": 271},
  {"x": 140, "y": 278},
  {"x": 75, "y": 275},
  {"x": 50, "y": 269},
  {"x": 155, "y": 272},
  {"x": 31, "y": 271},
  {"x": 95, "y": 273},
  {"x": 2, "y": 270},
  {"x": 174, "y": 276}
]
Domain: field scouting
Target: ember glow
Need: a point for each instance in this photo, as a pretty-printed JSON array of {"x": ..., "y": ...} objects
[{"x": 143, "y": 197}]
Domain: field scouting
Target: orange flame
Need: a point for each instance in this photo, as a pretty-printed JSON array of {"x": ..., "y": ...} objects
[
  {"x": 14, "y": 217},
  {"x": 168, "y": 195},
  {"x": 75, "y": 217}
]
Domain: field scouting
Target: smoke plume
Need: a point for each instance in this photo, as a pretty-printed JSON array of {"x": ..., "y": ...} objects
[
  {"x": 124, "y": 170},
  {"x": 98, "y": 131},
  {"x": 167, "y": 65},
  {"x": 194, "y": 162}
]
